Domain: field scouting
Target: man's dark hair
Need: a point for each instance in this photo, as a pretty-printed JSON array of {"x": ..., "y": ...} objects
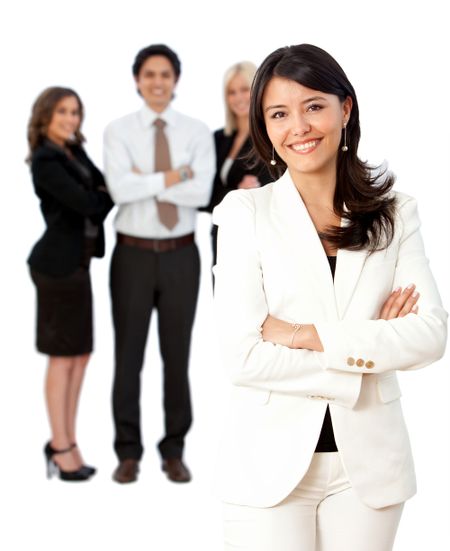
[{"x": 156, "y": 49}]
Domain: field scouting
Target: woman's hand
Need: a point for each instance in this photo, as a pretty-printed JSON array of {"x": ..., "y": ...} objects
[
  {"x": 249, "y": 182},
  {"x": 276, "y": 331},
  {"x": 400, "y": 303}
]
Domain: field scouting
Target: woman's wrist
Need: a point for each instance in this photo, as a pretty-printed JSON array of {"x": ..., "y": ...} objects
[
  {"x": 292, "y": 335},
  {"x": 295, "y": 327},
  {"x": 309, "y": 339}
]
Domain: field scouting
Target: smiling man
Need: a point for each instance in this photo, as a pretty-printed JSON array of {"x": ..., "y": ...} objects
[{"x": 159, "y": 167}]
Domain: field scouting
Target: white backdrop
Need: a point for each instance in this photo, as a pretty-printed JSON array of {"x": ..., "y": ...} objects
[{"x": 394, "y": 53}]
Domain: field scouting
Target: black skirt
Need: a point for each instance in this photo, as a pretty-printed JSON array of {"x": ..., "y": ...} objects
[{"x": 64, "y": 313}]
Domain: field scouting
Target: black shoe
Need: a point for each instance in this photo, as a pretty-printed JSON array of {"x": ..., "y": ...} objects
[
  {"x": 53, "y": 469},
  {"x": 88, "y": 468}
]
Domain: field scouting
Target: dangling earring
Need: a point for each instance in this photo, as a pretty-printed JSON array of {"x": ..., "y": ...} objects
[
  {"x": 344, "y": 148},
  {"x": 273, "y": 162}
]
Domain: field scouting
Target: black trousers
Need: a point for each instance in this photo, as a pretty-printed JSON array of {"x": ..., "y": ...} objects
[{"x": 140, "y": 281}]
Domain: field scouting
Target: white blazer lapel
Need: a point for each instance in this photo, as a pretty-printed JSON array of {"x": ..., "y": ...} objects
[
  {"x": 307, "y": 257},
  {"x": 349, "y": 265}
]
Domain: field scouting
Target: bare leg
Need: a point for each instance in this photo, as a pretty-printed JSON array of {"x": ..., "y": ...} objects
[
  {"x": 56, "y": 391},
  {"x": 73, "y": 395}
]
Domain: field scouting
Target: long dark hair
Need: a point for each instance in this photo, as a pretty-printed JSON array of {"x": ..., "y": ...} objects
[
  {"x": 362, "y": 195},
  {"x": 42, "y": 113}
]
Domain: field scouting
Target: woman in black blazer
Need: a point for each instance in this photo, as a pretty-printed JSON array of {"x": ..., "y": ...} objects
[
  {"x": 233, "y": 145},
  {"x": 74, "y": 202}
]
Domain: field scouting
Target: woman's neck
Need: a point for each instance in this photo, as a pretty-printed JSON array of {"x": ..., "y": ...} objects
[
  {"x": 242, "y": 125},
  {"x": 61, "y": 144},
  {"x": 58, "y": 142},
  {"x": 316, "y": 189}
]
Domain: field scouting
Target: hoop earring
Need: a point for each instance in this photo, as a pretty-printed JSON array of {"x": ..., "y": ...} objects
[
  {"x": 344, "y": 148},
  {"x": 273, "y": 161}
]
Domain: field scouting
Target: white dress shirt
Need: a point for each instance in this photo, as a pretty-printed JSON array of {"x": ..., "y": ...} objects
[{"x": 129, "y": 145}]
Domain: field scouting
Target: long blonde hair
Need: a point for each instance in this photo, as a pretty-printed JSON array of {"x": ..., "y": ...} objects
[
  {"x": 247, "y": 69},
  {"x": 42, "y": 113}
]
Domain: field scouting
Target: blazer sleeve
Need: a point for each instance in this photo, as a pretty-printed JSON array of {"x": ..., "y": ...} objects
[
  {"x": 241, "y": 308},
  {"x": 98, "y": 182},
  {"x": 411, "y": 342},
  {"x": 50, "y": 175},
  {"x": 222, "y": 145},
  {"x": 238, "y": 170},
  {"x": 218, "y": 193}
]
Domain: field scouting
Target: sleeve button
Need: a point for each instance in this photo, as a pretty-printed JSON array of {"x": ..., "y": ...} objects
[
  {"x": 359, "y": 362},
  {"x": 350, "y": 361},
  {"x": 370, "y": 364}
]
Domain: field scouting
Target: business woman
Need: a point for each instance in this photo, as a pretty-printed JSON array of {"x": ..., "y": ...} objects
[
  {"x": 317, "y": 302},
  {"x": 232, "y": 143},
  {"x": 74, "y": 203}
]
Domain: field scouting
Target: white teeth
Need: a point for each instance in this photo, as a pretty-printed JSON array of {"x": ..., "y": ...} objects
[{"x": 304, "y": 146}]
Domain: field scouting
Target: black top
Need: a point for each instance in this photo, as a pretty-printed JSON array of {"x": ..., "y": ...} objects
[
  {"x": 326, "y": 442},
  {"x": 68, "y": 190},
  {"x": 240, "y": 168}
]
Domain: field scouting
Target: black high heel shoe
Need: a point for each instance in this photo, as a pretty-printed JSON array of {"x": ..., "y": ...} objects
[
  {"x": 88, "y": 468},
  {"x": 53, "y": 469}
]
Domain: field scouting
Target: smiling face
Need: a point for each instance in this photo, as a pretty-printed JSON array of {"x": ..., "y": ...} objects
[
  {"x": 156, "y": 82},
  {"x": 304, "y": 125},
  {"x": 65, "y": 121},
  {"x": 238, "y": 95}
]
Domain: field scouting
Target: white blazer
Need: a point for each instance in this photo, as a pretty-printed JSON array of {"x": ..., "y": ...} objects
[{"x": 271, "y": 260}]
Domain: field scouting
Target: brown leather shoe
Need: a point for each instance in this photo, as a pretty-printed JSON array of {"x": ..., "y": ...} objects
[
  {"x": 127, "y": 471},
  {"x": 176, "y": 470}
]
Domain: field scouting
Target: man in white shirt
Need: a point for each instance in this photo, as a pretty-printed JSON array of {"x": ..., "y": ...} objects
[{"x": 159, "y": 167}]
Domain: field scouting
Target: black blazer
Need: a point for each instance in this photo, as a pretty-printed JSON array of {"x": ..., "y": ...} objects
[
  {"x": 68, "y": 196},
  {"x": 238, "y": 169}
]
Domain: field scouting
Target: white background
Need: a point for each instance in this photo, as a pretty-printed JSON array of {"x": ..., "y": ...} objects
[{"x": 395, "y": 54}]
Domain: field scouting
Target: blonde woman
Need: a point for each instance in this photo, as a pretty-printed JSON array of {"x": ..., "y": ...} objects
[{"x": 233, "y": 142}]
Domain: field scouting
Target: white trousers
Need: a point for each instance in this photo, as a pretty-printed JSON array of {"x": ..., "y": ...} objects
[{"x": 321, "y": 514}]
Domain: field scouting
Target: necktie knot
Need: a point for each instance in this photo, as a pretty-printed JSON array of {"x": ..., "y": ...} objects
[{"x": 159, "y": 123}]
